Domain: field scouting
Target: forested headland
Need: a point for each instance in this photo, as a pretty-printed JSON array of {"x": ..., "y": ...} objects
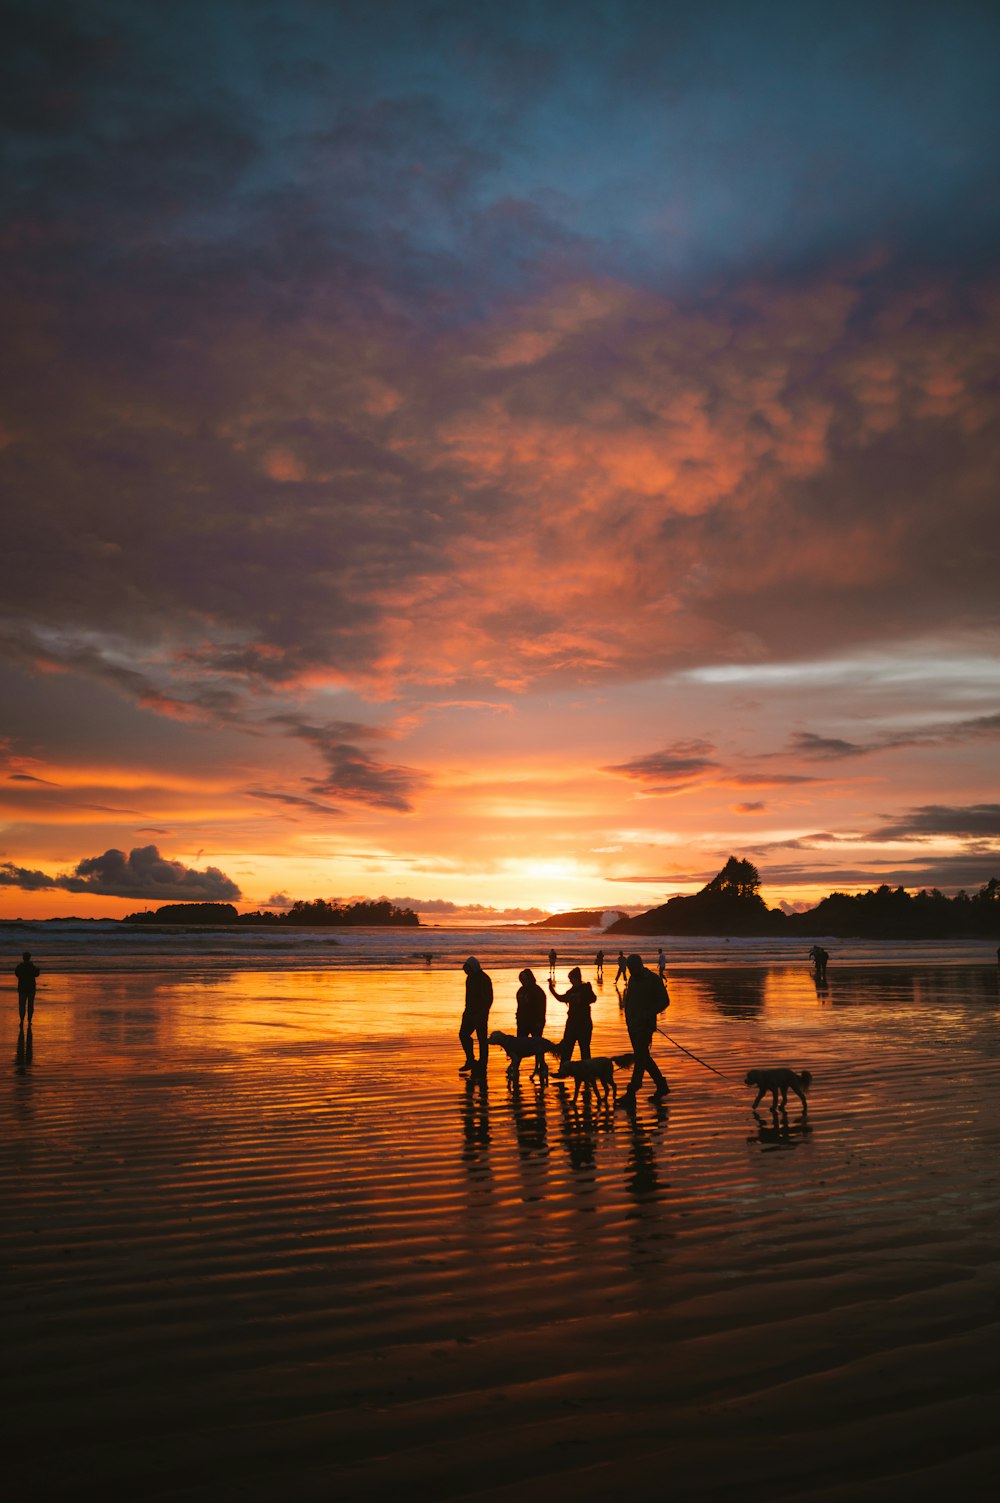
[{"x": 731, "y": 905}]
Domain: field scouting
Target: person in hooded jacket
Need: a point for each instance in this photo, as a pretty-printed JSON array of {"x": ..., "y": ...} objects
[
  {"x": 530, "y": 1015},
  {"x": 475, "y": 1018},
  {"x": 579, "y": 1023}
]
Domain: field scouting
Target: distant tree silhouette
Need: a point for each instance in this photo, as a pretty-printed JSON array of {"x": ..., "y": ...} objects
[
  {"x": 319, "y": 913},
  {"x": 739, "y": 879}
]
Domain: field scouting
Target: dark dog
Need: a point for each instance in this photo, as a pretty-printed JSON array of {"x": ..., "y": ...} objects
[
  {"x": 597, "y": 1075},
  {"x": 779, "y": 1079},
  {"x": 517, "y": 1047}
]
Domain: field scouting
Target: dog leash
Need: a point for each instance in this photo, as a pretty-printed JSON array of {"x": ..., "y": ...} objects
[{"x": 696, "y": 1057}]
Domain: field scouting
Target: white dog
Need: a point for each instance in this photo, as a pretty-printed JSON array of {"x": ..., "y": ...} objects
[{"x": 517, "y": 1047}]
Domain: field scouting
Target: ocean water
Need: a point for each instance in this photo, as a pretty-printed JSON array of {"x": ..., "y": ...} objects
[{"x": 70, "y": 945}]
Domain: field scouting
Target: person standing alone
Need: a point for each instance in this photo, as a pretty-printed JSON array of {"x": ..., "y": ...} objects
[{"x": 27, "y": 973}]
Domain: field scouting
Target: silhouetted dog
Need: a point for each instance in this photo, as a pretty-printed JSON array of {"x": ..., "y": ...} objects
[
  {"x": 779, "y": 1079},
  {"x": 597, "y": 1075},
  {"x": 517, "y": 1048}
]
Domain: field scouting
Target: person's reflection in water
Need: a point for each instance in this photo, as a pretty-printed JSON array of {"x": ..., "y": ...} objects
[
  {"x": 578, "y": 1132},
  {"x": 530, "y": 1123},
  {"x": 531, "y": 1130},
  {"x": 822, "y": 988},
  {"x": 476, "y": 1128},
  {"x": 25, "y": 1050},
  {"x": 775, "y": 1131},
  {"x": 642, "y": 1176}
]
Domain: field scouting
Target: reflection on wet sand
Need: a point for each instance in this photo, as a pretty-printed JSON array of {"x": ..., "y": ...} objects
[
  {"x": 735, "y": 994},
  {"x": 775, "y": 1131},
  {"x": 306, "y": 1260}
]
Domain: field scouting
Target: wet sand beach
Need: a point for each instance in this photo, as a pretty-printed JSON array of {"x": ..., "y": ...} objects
[{"x": 262, "y": 1241}]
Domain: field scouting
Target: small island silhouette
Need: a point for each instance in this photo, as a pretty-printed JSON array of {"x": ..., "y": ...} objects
[{"x": 317, "y": 914}]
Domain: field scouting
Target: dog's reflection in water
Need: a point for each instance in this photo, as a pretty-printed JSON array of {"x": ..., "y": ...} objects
[{"x": 775, "y": 1131}]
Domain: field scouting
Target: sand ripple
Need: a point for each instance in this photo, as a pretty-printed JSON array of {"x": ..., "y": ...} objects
[{"x": 261, "y": 1240}]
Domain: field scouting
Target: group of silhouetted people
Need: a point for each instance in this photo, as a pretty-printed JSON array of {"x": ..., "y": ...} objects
[{"x": 645, "y": 997}]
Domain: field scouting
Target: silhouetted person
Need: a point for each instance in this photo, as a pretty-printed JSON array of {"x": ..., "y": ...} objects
[
  {"x": 819, "y": 958},
  {"x": 27, "y": 973},
  {"x": 529, "y": 1018},
  {"x": 645, "y": 998},
  {"x": 579, "y": 1023},
  {"x": 475, "y": 1018},
  {"x": 622, "y": 973},
  {"x": 661, "y": 964},
  {"x": 599, "y": 963},
  {"x": 552, "y": 963}
]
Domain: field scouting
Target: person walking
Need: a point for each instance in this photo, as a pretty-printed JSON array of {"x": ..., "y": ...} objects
[
  {"x": 622, "y": 973},
  {"x": 475, "y": 1018},
  {"x": 579, "y": 1023},
  {"x": 820, "y": 959},
  {"x": 645, "y": 997},
  {"x": 529, "y": 1019},
  {"x": 27, "y": 973},
  {"x": 661, "y": 965}
]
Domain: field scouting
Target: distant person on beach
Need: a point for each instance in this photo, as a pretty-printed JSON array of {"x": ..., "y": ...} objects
[
  {"x": 27, "y": 973},
  {"x": 529, "y": 1019},
  {"x": 645, "y": 998},
  {"x": 622, "y": 972},
  {"x": 661, "y": 963},
  {"x": 819, "y": 958},
  {"x": 475, "y": 1018},
  {"x": 579, "y": 1023},
  {"x": 599, "y": 963},
  {"x": 552, "y": 963}
]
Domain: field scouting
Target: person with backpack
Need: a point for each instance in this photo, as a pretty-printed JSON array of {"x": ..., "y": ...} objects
[{"x": 645, "y": 997}]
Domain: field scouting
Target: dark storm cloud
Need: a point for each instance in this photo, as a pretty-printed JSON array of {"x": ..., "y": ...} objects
[
  {"x": 351, "y": 773},
  {"x": 824, "y": 748},
  {"x": 936, "y": 733},
  {"x": 142, "y": 874},
  {"x": 675, "y": 764},
  {"x": 289, "y": 356},
  {"x": 294, "y": 800},
  {"x": 974, "y": 822},
  {"x": 20, "y": 876}
]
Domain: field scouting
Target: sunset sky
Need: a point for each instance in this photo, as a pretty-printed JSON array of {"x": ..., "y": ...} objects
[{"x": 497, "y": 457}]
